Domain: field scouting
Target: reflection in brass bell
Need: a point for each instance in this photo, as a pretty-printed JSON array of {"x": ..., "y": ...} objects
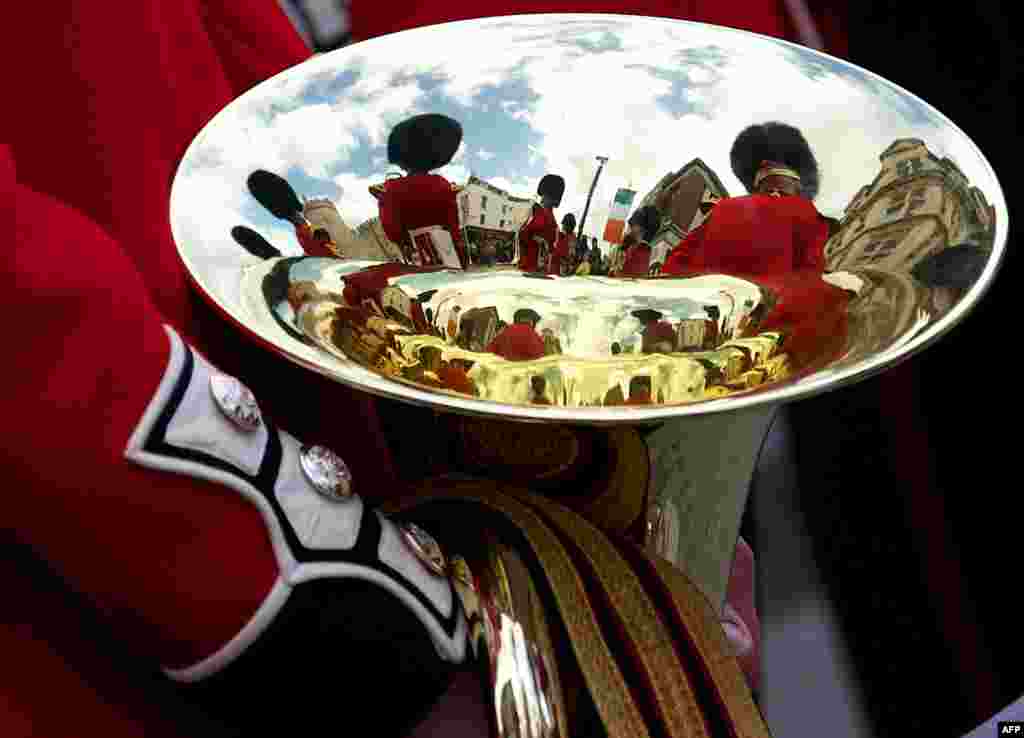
[{"x": 695, "y": 362}]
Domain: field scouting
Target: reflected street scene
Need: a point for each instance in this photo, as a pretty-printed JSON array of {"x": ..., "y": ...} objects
[{"x": 729, "y": 213}]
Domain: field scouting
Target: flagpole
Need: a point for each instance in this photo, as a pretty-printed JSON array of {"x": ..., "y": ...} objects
[{"x": 593, "y": 186}]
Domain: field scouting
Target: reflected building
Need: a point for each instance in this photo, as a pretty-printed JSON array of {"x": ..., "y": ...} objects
[
  {"x": 323, "y": 213},
  {"x": 690, "y": 334},
  {"x": 918, "y": 205},
  {"x": 683, "y": 198},
  {"x": 490, "y": 215},
  {"x": 478, "y": 328},
  {"x": 373, "y": 233}
]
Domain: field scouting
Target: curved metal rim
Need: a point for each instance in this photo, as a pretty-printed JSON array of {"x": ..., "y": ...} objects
[{"x": 365, "y": 380}]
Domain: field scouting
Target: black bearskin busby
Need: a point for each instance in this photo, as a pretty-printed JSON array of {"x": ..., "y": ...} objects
[
  {"x": 424, "y": 142},
  {"x": 254, "y": 243},
  {"x": 553, "y": 186},
  {"x": 648, "y": 218},
  {"x": 569, "y": 223},
  {"x": 775, "y": 142},
  {"x": 275, "y": 194},
  {"x": 648, "y": 315},
  {"x": 526, "y": 315}
]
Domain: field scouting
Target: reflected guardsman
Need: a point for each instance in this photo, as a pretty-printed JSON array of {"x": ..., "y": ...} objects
[
  {"x": 519, "y": 341},
  {"x": 561, "y": 256},
  {"x": 774, "y": 230},
  {"x": 537, "y": 236},
  {"x": 419, "y": 211},
  {"x": 275, "y": 194},
  {"x": 658, "y": 336},
  {"x": 643, "y": 224}
]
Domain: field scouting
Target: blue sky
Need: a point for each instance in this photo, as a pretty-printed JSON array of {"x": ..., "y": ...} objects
[{"x": 535, "y": 96}]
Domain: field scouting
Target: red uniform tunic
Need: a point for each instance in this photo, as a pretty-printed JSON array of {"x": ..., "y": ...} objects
[
  {"x": 779, "y": 243},
  {"x": 755, "y": 234},
  {"x": 420, "y": 201},
  {"x": 638, "y": 260},
  {"x": 517, "y": 342},
  {"x": 541, "y": 224},
  {"x": 178, "y": 565},
  {"x": 560, "y": 254},
  {"x": 811, "y": 311},
  {"x": 455, "y": 378},
  {"x": 640, "y": 398}
]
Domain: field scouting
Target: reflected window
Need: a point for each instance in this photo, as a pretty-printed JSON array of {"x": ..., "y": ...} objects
[
  {"x": 896, "y": 203},
  {"x": 483, "y": 202},
  {"x": 917, "y": 200},
  {"x": 909, "y": 167},
  {"x": 885, "y": 249},
  {"x": 483, "y": 218}
]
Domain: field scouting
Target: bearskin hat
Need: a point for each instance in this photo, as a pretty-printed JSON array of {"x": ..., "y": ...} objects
[
  {"x": 274, "y": 193},
  {"x": 774, "y": 142},
  {"x": 526, "y": 315},
  {"x": 647, "y": 315},
  {"x": 424, "y": 142},
  {"x": 648, "y": 218},
  {"x": 254, "y": 243},
  {"x": 569, "y": 223},
  {"x": 553, "y": 186}
]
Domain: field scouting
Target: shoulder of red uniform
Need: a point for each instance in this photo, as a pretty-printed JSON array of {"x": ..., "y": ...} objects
[
  {"x": 791, "y": 203},
  {"x": 433, "y": 183}
]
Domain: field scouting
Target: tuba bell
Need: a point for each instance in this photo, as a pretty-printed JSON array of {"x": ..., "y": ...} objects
[{"x": 577, "y": 451}]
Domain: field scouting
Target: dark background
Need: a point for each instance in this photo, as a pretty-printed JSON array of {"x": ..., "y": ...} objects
[{"x": 907, "y": 480}]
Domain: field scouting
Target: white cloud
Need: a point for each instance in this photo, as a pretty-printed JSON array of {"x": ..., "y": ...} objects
[
  {"x": 582, "y": 106},
  {"x": 356, "y": 204}
]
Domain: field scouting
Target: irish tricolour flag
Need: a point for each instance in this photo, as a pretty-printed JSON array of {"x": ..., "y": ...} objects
[{"x": 616, "y": 225}]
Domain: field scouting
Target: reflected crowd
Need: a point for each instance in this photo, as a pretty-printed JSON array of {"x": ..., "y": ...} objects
[{"x": 704, "y": 295}]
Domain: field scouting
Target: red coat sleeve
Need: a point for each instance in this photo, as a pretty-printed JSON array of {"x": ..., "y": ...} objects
[
  {"x": 202, "y": 542},
  {"x": 390, "y": 216},
  {"x": 527, "y": 246},
  {"x": 180, "y": 564}
]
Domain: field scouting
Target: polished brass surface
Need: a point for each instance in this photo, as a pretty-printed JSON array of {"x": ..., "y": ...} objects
[
  {"x": 687, "y": 343},
  {"x": 916, "y": 219}
]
